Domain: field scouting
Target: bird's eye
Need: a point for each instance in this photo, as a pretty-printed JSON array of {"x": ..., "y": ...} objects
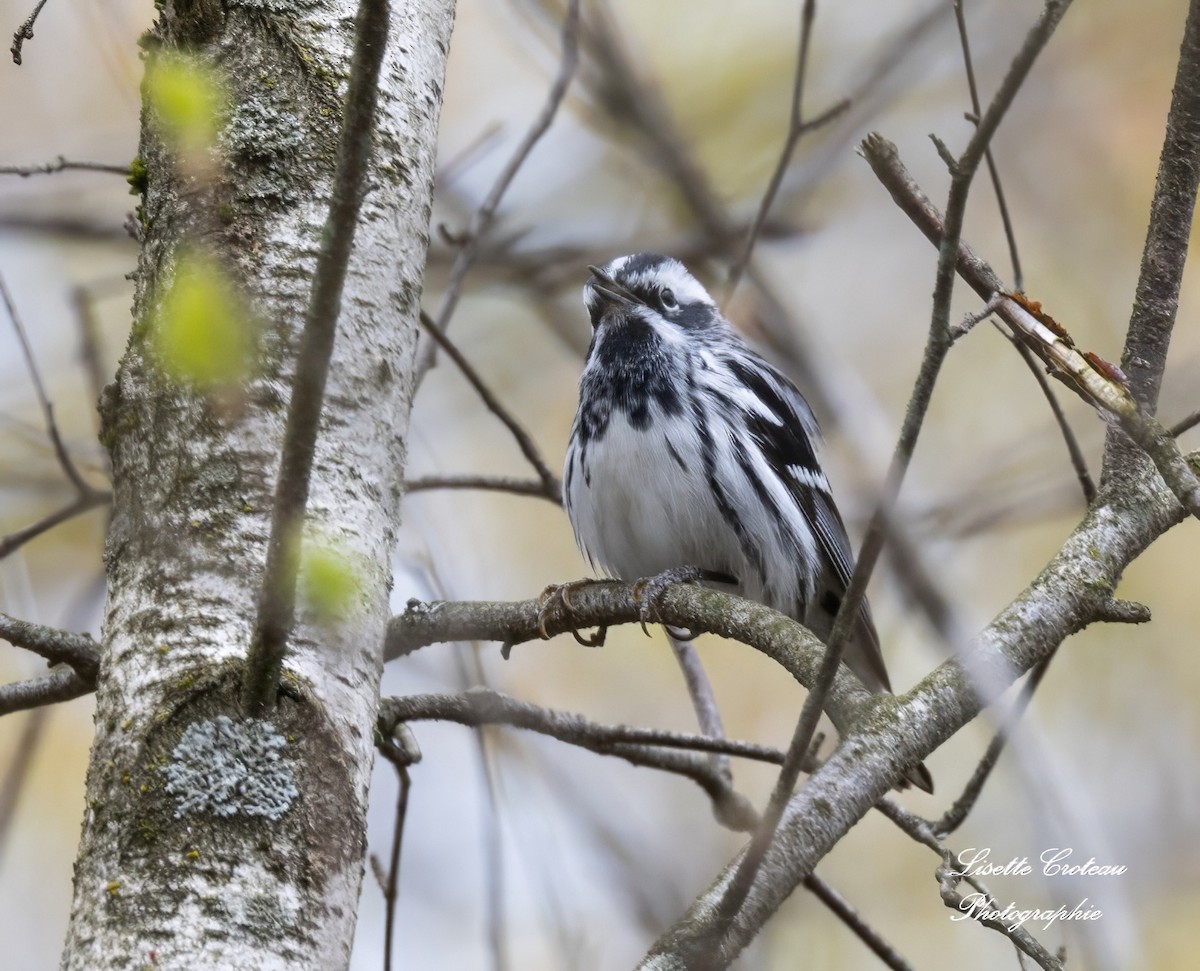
[{"x": 666, "y": 299}]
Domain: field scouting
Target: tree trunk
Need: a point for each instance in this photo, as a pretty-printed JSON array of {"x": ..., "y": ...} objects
[{"x": 211, "y": 840}]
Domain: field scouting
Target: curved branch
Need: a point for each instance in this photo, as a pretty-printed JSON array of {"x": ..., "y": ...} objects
[{"x": 604, "y": 603}]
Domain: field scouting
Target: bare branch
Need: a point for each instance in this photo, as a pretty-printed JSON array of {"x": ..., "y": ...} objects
[
  {"x": 551, "y": 487},
  {"x": 937, "y": 346},
  {"x": 494, "y": 483},
  {"x": 17, "y": 772},
  {"x": 993, "y": 171},
  {"x": 850, "y": 917},
  {"x": 401, "y": 756},
  {"x": 60, "y": 450},
  {"x": 487, "y": 209},
  {"x": 62, "y": 164},
  {"x": 1157, "y": 298},
  {"x": 24, "y": 33},
  {"x": 1078, "y": 462},
  {"x": 984, "y": 909},
  {"x": 56, "y": 646},
  {"x": 277, "y": 600},
  {"x": 48, "y": 690},
  {"x": 797, "y": 127},
  {"x": 704, "y": 700},
  {"x": 642, "y": 747},
  {"x": 1185, "y": 424},
  {"x": 609, "y": 603},
  {"x": 485, "y": 706},
  {"x": 81, "y": 504},
  {"x": 1096, "y": 381}
]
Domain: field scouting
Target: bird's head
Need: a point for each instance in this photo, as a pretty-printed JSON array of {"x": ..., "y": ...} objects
[{"x": 651, "y": 293}]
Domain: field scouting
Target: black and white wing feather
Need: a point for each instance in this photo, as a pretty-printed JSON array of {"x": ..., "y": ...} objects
[{"x": 787, "y": 433}]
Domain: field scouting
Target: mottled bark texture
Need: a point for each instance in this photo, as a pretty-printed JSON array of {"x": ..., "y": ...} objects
[{"x": 209, "y": 840}]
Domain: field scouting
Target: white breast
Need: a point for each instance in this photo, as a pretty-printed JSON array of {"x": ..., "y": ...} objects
[{"x": 647, "y": 510}]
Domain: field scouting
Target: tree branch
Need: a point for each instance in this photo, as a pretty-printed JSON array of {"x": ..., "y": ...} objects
[
  {"x": 667, "y": 751},
  {"x": 24, "y": 33},
  {"x": 56, "y": 646},
  {"x": 1096, "y": 381},
  {"x": 493, "y": 483},
  {"x": 797, "y": 128},
  {"x": 487, "y": 209},
  {"x": 1156, "y": 301},
  {"x": 77, "y": 506},
  {"x": 60, "y": 449},
  {"x": 551, "y": 487},
  {"x": 47, "y": 690},
  {"x": 609, "y": 603},
  {"x": 937, "y": 346},
  {"x": 63, "y": 164},
  {"x": 277, "y": 600}
]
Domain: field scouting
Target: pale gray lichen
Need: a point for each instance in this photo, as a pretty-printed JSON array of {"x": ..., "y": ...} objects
[{"x": 227, "y": 767}]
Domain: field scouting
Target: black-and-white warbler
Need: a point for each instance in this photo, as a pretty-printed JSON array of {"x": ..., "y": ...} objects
[{"x": 690, "y": 450}]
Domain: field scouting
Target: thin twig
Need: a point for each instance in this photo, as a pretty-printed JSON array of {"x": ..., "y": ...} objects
[
  {"x": 1095, "y": 381},
  {"x": 983, "y": 908},
  {"x": 850, "y": 917},
  {"x": 485, "y": 706},
  {"x": 494, "y": 483},
  {"x": 391, "y": 890},
  {"x": 78, "y": 506},
  {"x": 704, "y": 700},
  {"x": 277, "y": 598},
  {"x": 797, "y": 127},
  {"x": 1078, "y": 461},
  {"x": 993, "y": 170},
  {"x": 647, "y": 748},
  {"x": 1185, "y": 425},
  {"x": 937, "y": 346},
  {"x": 56, "y": 646},
  {"x": 1164, "y": 257},
  {"x": 60, "y": 450},
  {"x": 62, "y": 164},
  {"x": 17, "y": 773},
  {"x": 24, "y": 33},
  {"x": 949, "y": 876},
  {"x": 956, "y": 815},
  {"x": 471, "y": 673},
  {"x": 50, "y": 689},
  {"x": 486, "y": 212},
  {"x": 550, "y": 484}
]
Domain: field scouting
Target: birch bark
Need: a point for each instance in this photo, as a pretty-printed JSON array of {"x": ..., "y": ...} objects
[{"x": 208, "y": 840}]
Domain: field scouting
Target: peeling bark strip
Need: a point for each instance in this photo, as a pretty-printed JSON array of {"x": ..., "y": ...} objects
[{"x": 176, "y": 869}]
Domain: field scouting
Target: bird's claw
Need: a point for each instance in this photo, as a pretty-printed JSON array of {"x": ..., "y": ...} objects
[
  {"x": 648, "y": 591},
  {"x": 560, "y": 593}
]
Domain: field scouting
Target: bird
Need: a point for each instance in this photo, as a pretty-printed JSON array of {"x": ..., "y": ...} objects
[{"x": 689, "y": 451}]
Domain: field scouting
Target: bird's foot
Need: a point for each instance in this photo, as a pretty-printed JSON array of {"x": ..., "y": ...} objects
[
  {"x": 648, "y": 591},
  {"x": 558, "y": 595}
]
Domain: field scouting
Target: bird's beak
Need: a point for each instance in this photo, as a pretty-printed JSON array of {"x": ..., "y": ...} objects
[{"x": 610, "y": 288}]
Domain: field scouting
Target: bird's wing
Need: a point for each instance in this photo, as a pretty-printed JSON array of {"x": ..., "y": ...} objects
[{"x": 788, "y": 434}]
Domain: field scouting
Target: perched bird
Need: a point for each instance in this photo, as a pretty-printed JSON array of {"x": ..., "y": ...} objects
[{"x": 690, "y": 450}]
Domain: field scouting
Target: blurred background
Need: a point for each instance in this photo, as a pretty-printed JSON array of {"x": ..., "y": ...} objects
[{"x": 554, "y": 858}]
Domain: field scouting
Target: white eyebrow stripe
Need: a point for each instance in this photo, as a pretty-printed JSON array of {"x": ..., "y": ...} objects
[{"x": 673, "y": 275}]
